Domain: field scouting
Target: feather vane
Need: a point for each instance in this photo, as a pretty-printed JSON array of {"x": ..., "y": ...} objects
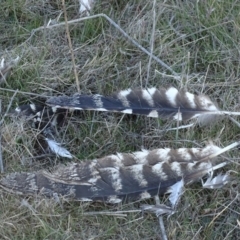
[
  {"x": 176, "y": 191},
  {"x": 120, "y": 177}
]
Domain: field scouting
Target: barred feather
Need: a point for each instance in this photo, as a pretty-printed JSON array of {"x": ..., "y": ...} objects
[
  {"x": 152, "y": 102},
  {"x": 119, "y": 177}
]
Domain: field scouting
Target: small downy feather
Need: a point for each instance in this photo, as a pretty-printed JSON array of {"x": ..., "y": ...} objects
[
  {"x": 5, "y": 68},
  {"x": 217, "y": 182},
  {"x": 121, "y": 177},
  {"x": 152, "y": 102},
  {"x": 85, "y": 6},
  {"x": 58, "y": 149},
  {"x": 176, "y": 191}
]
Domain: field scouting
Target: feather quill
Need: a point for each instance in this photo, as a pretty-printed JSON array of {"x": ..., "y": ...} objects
[{"x": 120, "y": 177}]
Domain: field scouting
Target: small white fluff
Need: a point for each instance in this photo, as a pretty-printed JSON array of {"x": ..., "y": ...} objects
[
  {"x": 2, "y": 63},
  {"x": 85, "y": 6},
  {"x": 176, "y": 191},
  {"x": 57, "y": 149}
]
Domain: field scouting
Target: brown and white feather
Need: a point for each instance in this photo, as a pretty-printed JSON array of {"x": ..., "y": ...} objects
[
  {"x": 152, "y": 102},
  {"x": 120, "y": 177}
]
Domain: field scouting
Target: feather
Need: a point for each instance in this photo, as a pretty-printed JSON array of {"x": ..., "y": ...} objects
[
  {"x": 217, "y": 182},
  {"x": 152, "y": 102},
  {"x": 5, "y": 68},
  {"x": 85, "y": 6},
  {"x": 176, "y": 191},
  {"x": 120, "y": 177},
  {"x": 57, "y": 149}
]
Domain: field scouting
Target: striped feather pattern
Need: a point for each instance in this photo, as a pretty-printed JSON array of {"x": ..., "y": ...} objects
[
  {"x": 120, "y": 177},
  {"x": 152, "y": 102}
]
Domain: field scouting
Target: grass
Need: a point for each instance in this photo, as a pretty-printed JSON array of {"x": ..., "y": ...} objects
[{"x": 197, "y": 39}]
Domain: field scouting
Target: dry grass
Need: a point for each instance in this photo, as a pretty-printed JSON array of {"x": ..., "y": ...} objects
[{"x": 197, "y": 39}]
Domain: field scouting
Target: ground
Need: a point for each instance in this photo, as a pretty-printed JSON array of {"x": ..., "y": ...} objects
[{"x": 198, "y": 40}]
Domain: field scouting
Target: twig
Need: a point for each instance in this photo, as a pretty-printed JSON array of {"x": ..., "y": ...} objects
[
  {"x": 151, "y": 41},
  {"x": 1, "y": 161},
  {"x": 134, "y": 42},
  {"x": 160, "y": 220},
  {"x": 1, "y": 122},
  {"x": 25, "y": 93},
  {"x": 118, "y": 124},
  {"x": 9, "y": 106},
  {"x": 117, "y": 213},
  {"x": 70, "y": 46},
  {"x": 198, "y": 231},
  {"x": 179, "y": 127},
  {"x": 40, "y": 156},
  {"x": 234, "y": 121},
  {"x": 223, "y": 210},
  {"x": 163, "y": 231}
]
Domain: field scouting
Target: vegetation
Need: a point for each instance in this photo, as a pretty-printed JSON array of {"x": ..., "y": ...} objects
[{"x": 199, "y": 40}]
